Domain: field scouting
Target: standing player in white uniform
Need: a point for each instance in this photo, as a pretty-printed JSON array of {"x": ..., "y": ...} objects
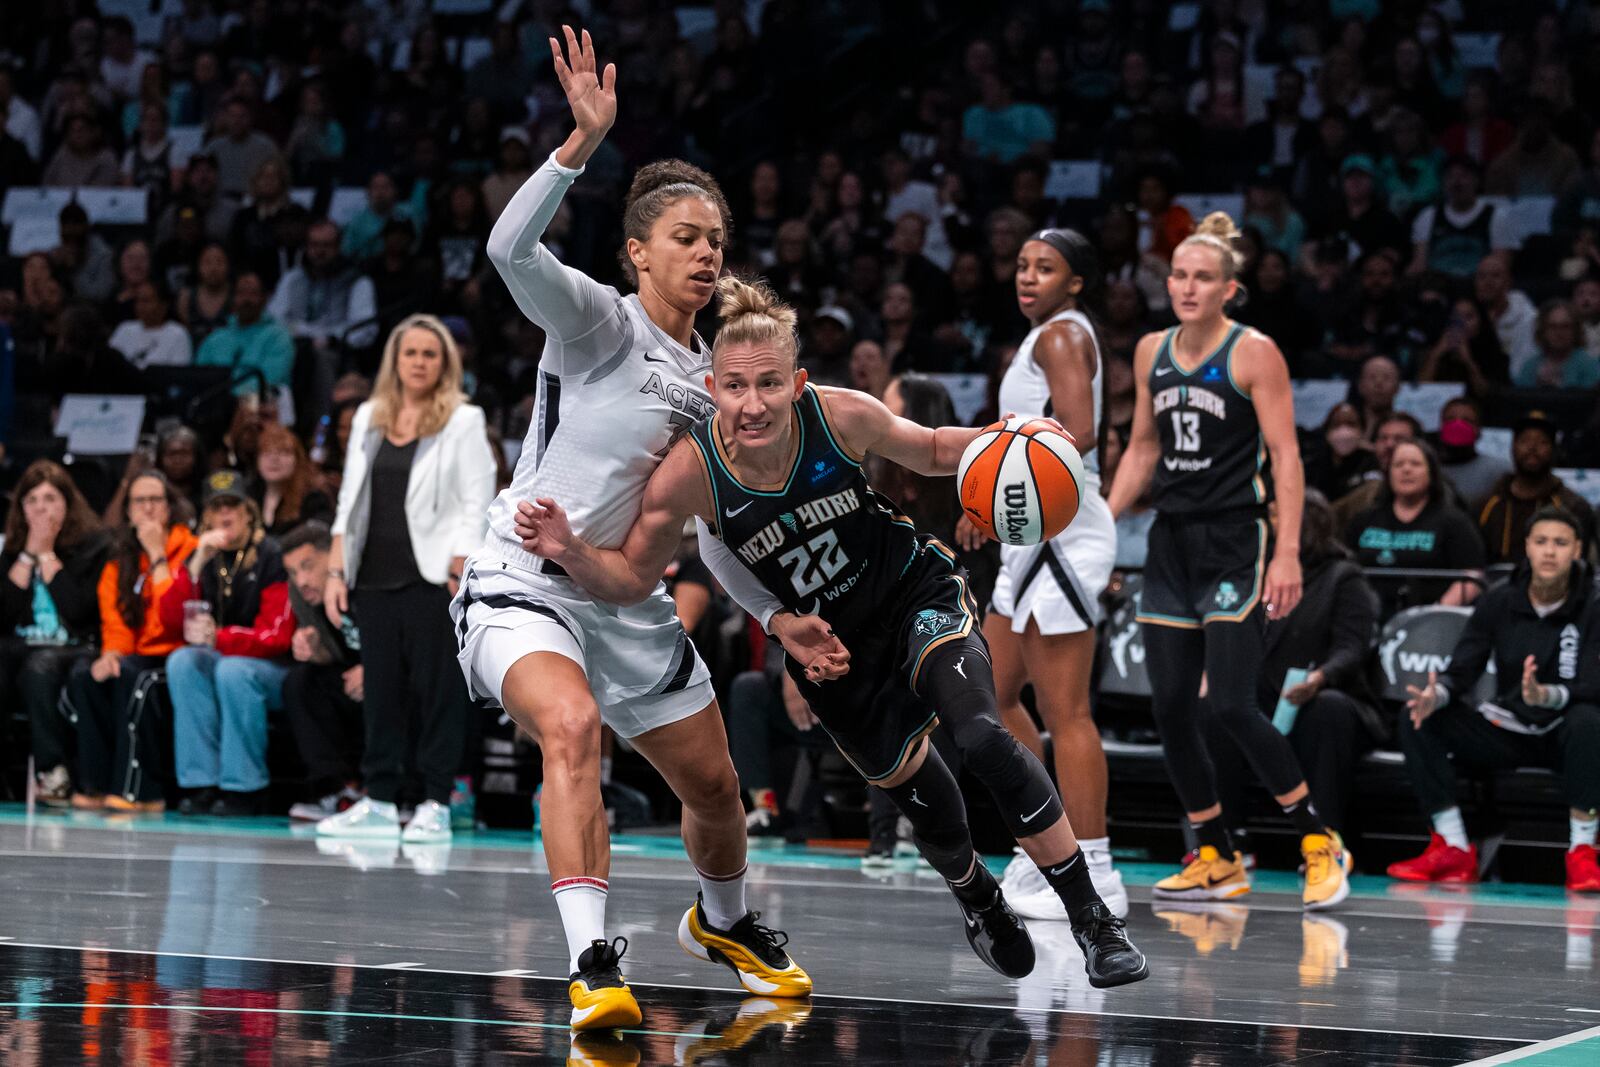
[
  {"x": 620, "y": 378},
  {"x": 1041, "y": 622}
]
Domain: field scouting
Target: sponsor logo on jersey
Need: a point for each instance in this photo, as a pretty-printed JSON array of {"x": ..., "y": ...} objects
[
  {"x": 1187, "y": 463},
  {"x": 1213, "y": 374},
  {"x": 820, "y": 470},
  {"x": 932, "y": 623}
]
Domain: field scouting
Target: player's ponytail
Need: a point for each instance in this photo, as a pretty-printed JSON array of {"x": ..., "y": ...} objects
[
  {"x": 656, "y": 187},
  {"x": 752, "y": 313}
]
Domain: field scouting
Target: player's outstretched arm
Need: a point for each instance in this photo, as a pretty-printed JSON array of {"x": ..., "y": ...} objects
[
  {"x": 564, "y": 302},
  {"x": 867, "y": 427},
  {"x": 626, "y": 575},
  {"x": 1138, "y": 461}
]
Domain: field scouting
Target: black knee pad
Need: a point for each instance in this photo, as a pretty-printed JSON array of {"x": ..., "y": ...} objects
[{"x": 1021, "y": 787}]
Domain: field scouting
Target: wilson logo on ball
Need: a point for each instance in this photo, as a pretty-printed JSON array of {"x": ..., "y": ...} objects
[{"x": 1020, "y": 481}]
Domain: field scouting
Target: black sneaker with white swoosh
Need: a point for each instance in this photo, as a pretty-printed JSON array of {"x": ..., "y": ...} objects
[
  {"x": 1109, "y": 958},
  {"x": 999, "y": 937}
]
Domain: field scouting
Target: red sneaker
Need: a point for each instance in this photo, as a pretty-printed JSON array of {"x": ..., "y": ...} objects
[
  {"x": 1583, "y": 869},
  {"x": 1440, "y": 862}
]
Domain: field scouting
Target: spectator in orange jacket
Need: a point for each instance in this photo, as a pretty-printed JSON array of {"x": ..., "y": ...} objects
[
  {"x": 116, "y": 767},
  {"x": 232, "y": 602}
]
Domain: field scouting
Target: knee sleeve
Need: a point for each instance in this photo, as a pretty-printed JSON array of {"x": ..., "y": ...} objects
[
  {"x": 1021, "y": 787},
  {"x": 932, "y": 801}
]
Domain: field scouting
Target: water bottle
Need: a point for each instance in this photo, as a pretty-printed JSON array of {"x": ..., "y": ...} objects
[{"x": 319, "y": 441}]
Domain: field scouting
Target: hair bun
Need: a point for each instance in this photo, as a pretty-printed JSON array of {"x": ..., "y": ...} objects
[
  {"x": 739, "y": 298},
  {"x": 1218, "y": 224}
]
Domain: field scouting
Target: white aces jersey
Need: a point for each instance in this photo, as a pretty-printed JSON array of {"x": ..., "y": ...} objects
[
  {"x": 1026, "y": 391},
  {"x": 609, "y": 406}
]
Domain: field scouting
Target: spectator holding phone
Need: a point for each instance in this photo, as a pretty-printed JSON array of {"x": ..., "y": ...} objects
[{"x": 1542, "y": 629}]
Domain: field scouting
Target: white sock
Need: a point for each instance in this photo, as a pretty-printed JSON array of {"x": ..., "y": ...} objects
[
  {"x": 1449, "y": 825},
  {"x": 582, "y": 902},
  {"x": 1582, "y": 830},
  {"x": 722, "y": 898},
  {"x": 1097, "y": 850}
]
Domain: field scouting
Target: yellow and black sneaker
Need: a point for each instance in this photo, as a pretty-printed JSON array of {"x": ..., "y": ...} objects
[
  {"x": 756, "y": 1016},
  {"x": 601, "y": 999},
  {"x": 603, "y": 1049},
  {"x": 753, "y": 952}
]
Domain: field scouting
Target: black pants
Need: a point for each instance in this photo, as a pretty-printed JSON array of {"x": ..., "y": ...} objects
[
  {"x": 1572, "y": 749},
  {"x": 759, "y": 730},
  {"x": 416, "y": 698},
  {"x": 31, "y": 680},
  {"x": 111, "y": 758},
  {"x": 327, "y": 724},
  {"x": 1329, "y": 738}
]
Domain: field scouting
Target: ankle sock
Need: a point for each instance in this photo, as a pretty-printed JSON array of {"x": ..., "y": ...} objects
[
  {"x": 582, "y": 903},
  {"x": 1303, "y": 814},
  {"x": 1582, "y": 830},
  {"x": 722, "y": 897},
  {"x": 1212, "y": 832},
  {"x": 1449, "y": 825},
  {"x": 1070, "y": 880}
]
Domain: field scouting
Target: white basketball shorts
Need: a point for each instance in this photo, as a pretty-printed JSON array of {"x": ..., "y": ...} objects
[{"x": 1058, "y": 583}]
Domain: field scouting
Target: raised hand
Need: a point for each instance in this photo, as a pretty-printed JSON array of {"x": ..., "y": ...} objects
[
  {"x": 1424, "y": 701},
  {"x": 543, "y": 529},
  {"x": 1533, "y": 694},
  {"x": 591, "y": 95}
]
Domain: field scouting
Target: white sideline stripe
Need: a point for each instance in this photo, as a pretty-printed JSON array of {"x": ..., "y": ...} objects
[
  {"x": 513, "y": 973},
  {"x": 1538, "y": 1049},
  {"x": 824, "y": 996},
  {"x": 402, "y": 966}
]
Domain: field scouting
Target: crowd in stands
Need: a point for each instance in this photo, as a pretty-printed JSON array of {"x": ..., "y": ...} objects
[{"x": 1418, "y": 184}]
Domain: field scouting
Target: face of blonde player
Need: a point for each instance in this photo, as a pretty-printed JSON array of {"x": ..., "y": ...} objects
[
  {"x": 755, "y": 387},
  {"x": 1044, "y": 281},
  {"x": 1196, "y": 285},
  {"x": 680, "y": 261}
]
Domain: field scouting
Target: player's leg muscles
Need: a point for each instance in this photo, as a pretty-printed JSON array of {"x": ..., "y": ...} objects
[
  {"x": 548, "y": 695},
  {"x": 1059, "y": 665},
  {"x": 692, "y": 755}
]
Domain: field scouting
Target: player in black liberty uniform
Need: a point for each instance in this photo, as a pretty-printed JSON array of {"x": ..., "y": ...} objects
[
  {"x": 863, "y": 603},
  {"x": 1214, "y": 440}
]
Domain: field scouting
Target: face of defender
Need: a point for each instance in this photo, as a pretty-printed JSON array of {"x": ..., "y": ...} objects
[
  {"x": 755, "y": 387},
  {"x": 682, "y": 257},
  {"x": 1044, "y": 280},
  {"x": 1197, "y": 285}
]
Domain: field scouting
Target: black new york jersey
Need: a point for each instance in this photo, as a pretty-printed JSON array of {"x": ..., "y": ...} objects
[
  {"x": 1213, "y": 457},
  {"x": 824, "y": 543}
]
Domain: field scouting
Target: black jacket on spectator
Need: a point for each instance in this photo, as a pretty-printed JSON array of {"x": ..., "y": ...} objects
[
  {"x": 342, "y": 643},
  {"x": 1332, "y": 628},
  {"x": 1441, "y": 537},
  {"x": 75, "y": 590},
  {"x": 236, "y": 601},
  {"x": 1565, "y": 644}
]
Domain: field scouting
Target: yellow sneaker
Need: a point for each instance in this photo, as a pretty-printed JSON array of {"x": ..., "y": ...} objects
[
  {"x": 753, "y": 952},
  {"x": 1209, "y": 877},
  {"x": 1327, "y": 868},
  {"x": 1209, "y": 926},
  {"x": 1323, "y": 951},
  {"x": 601, "y": 999},
  {"x": 756, "y": 1015}
]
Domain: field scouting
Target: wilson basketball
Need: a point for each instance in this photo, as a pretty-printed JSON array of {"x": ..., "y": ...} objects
[{"x": 1020, "y": 481}]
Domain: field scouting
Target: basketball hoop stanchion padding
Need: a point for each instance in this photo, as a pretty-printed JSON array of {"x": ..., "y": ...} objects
[{"x": 1020, "y": 481}]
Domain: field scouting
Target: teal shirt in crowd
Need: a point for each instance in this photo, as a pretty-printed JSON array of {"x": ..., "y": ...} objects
[
  {"x": 1581, "y": 371},
  {"x": 264, "y": 345},
  {"x": 46, "y": 628}
]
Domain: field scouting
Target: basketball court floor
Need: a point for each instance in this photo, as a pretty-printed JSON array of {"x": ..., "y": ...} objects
[{"x": 216, "y": 942}]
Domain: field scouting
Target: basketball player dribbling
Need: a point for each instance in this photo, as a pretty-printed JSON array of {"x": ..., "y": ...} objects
[
  {"x": 619, "y": 380},
  {"x": 1213, "y": 411},
  {"x": 776, "y": 475},
  {"x": 1046, "y": 604}
]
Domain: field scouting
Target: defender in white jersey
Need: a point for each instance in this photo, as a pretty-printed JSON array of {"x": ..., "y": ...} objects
[
  {"x": 1041, "y": 623},
  {"x": 620, "y": 378}
]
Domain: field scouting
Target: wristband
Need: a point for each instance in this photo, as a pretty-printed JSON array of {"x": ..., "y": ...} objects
[
  {"x": 336, "y": 572},
  {"x": 26, "y": 558}
]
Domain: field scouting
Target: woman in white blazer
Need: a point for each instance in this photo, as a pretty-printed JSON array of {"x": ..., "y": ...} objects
[{"x": 418, "y": 479}]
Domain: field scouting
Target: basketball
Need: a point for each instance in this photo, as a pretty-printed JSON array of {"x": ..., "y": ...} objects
[{"x": 1020, "y": 481}]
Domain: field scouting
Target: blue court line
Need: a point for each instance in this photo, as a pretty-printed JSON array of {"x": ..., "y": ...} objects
[
  {"x": 794, "y": 857},
  {"x": 37, "y": 1004}
]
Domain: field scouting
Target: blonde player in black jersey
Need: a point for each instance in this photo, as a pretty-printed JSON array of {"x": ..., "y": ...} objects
[
  {"x": 776, "y": 475},
  {"x": 1213, "y": 425}
]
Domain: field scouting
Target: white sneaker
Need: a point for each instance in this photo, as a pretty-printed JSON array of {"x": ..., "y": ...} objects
[
  {"x": 1022, "y": 877},
  {"x": 1107, "y": 881},
  {"x": 430, "y": 822},
  {"x": 366, "y": 818},
  {"x": 1045, "y": 904}
]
